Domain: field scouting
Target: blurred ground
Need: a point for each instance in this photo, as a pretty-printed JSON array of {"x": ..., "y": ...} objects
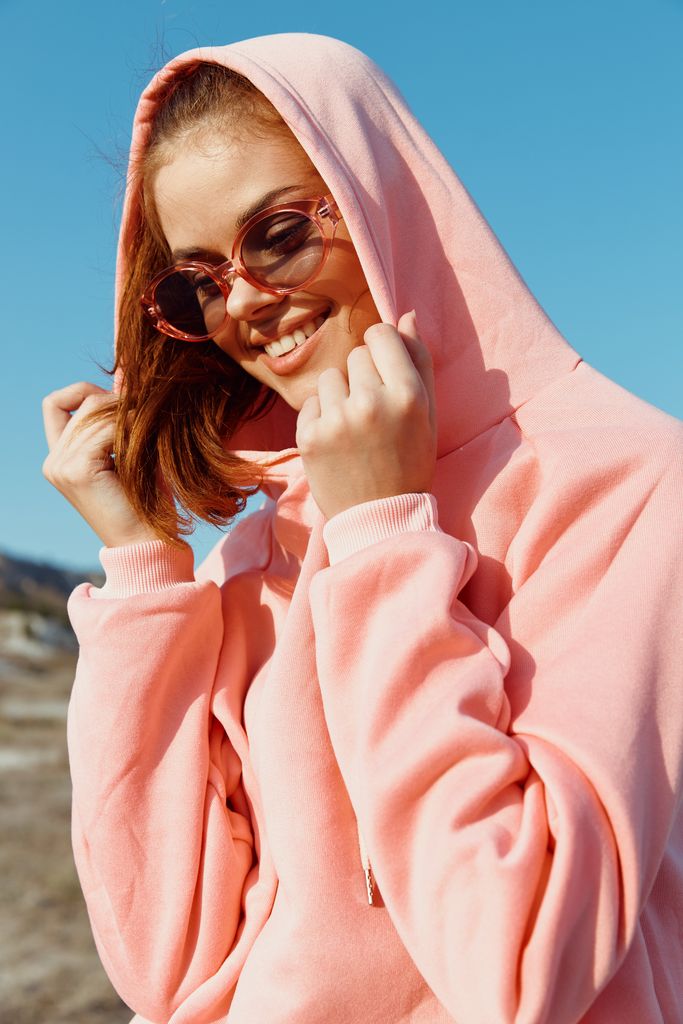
[{"x": 51, "y": 973}]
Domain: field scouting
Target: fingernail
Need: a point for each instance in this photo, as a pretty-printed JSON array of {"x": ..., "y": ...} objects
[{"x": 413, "y": 314}]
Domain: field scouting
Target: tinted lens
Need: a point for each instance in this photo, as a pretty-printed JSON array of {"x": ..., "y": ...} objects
[
  {"x": 190, "y": 301},
  {"x": 283, "y": 250}
]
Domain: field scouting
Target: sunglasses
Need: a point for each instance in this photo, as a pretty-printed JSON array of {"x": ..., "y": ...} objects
[{"x": 279, "y": 250}]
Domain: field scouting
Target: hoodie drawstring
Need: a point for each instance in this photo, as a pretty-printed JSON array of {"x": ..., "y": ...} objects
[{"x": 367, "y": 868}]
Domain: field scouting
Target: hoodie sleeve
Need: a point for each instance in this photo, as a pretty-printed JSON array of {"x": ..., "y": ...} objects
[
  {"x": 516, "y": 797},
  {"x": 161, "y": 849}
]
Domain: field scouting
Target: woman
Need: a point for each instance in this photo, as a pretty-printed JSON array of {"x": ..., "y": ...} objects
[{"x": 408, "y": 745}]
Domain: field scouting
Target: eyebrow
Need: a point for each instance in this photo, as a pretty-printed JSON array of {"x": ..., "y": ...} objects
[{"x": 266, "y": 200}]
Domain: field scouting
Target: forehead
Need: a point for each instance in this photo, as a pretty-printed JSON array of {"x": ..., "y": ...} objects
[{"x": 209, "y": 182}]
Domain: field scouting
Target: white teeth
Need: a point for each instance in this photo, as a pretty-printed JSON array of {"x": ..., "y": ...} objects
[
  {"x": 286, "y": 343},
  {"x": 275, "y": 348},
  {"x": 289, "y": 341}
]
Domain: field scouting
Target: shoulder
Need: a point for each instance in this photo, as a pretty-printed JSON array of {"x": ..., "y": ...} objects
[
  {"x": 588, "y": 428},
  {"x": 604, "y": 483}
]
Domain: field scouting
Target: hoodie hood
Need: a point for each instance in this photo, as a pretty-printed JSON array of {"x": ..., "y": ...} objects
[{"x": 420, "y": 238}]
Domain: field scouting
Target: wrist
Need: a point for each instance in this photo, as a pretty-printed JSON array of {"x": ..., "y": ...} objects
[
  {"x": 124, "y": 538},
  {"x": 372, "y": 521},
  {"x": 355, "y": 501}
]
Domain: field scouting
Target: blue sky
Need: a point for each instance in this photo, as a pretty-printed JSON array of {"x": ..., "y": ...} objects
[{"x": 562, "y": 120}]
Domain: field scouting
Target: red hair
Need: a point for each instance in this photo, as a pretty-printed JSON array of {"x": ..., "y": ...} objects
[{"x": 181, "y": 403}]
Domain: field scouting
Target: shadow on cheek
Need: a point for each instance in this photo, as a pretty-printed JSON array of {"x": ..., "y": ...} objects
[{"x": 362, "y": 314}]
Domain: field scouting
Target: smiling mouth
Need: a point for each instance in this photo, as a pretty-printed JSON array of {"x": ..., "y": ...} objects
[
  {"x": 288, "y": 342},
  {"x": 292, "y": 358}
]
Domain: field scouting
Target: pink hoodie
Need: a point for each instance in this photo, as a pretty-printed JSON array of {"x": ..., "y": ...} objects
[{"x": 463, "y": 706}]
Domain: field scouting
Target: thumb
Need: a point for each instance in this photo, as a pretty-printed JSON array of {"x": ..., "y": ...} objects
[
  {"x": 310, "y": 411},
  {"x": 420, "y": 355}
]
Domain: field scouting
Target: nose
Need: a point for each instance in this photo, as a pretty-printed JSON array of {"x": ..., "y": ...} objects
[{"x": 245, "y": 301}]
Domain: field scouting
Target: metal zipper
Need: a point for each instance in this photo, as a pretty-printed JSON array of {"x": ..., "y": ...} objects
[{"x": 370, "y": 884}]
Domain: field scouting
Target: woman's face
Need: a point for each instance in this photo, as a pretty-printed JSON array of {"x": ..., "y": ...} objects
[{"x": 199, "y": 197}]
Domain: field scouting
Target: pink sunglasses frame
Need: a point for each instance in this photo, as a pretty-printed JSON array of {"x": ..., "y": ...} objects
[{"x": 323, "y": 211}]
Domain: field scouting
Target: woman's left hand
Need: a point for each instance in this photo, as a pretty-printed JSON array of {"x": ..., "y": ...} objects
[{"x": 373, "y": 435}]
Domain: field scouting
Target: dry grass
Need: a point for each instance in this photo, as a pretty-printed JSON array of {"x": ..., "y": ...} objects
[{"x": 51, "y": 972}]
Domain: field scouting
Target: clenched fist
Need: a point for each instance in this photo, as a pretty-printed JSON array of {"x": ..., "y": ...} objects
[
  {"x": 372, "y": 435},
  {"x": 79, "y": 463}
]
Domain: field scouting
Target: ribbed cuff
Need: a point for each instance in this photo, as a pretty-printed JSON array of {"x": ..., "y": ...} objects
[
  {"x": 144, "y": 568},
  {"x": 361, "y": 525}
]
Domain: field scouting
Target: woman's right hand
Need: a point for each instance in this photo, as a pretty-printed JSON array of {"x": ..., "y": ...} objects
[{"x": 80, "y": 466}]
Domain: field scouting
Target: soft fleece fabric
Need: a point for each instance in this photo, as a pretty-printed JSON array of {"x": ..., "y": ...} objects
[{"x": 486, "y": 680}]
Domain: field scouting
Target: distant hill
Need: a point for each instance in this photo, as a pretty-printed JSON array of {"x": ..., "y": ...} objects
[
  {"x": 51, "y": 970},
  {"x": 39, "y": 587}
]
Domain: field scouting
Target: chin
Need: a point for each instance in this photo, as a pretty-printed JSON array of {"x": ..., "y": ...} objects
[
  {"x": 296, "y": 394},
  {"x": 295, "y": 389}
]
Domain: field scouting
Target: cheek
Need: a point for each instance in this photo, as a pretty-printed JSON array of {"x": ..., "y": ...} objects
[
  {"x": 230, "y": 348},
  {"x": 223, "y": 345},
  {"x": 364, "y": 309},
  {"x": 346, "y": 279}
]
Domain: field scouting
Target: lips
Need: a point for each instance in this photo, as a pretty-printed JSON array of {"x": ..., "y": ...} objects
[
  {"x": 265, "y": 338},
  {"x": 291, "y": 361},
  {"x": 298, "y": 336}
]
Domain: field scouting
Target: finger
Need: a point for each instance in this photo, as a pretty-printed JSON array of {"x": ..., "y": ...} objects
[
  {"x": 83, "y": 449},
  {"x": 390, "y": 356},
  {"x": 333, "y": 389},
  {"x": 308, "y": 414},
  {"x": 362, "y": 371},
  {"x": 58, "y": 406},
  {"x": 420, "y": 356},
  {"x": 83, "y": 425},
  {"x": 416, "y": 348},
  {"x": 100, "y": 432}
]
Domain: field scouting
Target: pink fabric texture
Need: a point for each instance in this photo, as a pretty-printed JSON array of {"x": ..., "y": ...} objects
[{"x": 481, "y": 684}]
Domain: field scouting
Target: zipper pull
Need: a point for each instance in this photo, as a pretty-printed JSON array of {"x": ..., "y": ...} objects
[{"x": 370, "y": 884}]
